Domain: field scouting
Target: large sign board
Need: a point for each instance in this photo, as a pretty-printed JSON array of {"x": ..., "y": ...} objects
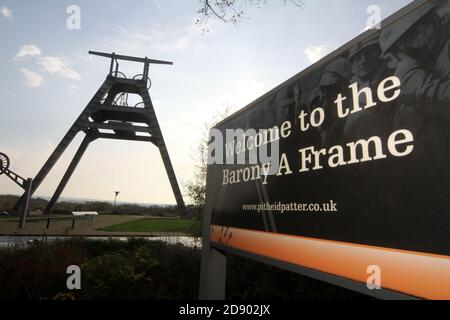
[{"x": 356, "y": 177}]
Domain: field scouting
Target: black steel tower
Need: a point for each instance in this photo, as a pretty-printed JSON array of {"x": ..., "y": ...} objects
[{"x": 109, "y": 116}]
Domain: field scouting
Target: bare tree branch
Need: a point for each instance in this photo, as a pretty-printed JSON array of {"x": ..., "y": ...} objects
[{"x": 232, "y": 10}]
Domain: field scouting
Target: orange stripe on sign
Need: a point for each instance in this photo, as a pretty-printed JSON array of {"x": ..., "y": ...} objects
[{"x": 414, "y": 273}]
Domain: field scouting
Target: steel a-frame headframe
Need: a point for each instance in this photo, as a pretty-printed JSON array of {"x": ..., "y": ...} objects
[{"x": 104, "y": 113}]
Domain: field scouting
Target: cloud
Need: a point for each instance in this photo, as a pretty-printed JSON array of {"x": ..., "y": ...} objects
[
  {"x": 56, "y": 65},
  {"x": 316, "y": 53},
  {"x": 28, "y": 50},
  {"x": 52, "y": 65},
  {"x": 32, "y": 79},
  {"x": 7, "y": 13},
  {"x": 163, "y": 39}
]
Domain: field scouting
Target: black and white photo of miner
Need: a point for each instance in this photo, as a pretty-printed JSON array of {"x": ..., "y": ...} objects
[{"x": 416, "y": 49}]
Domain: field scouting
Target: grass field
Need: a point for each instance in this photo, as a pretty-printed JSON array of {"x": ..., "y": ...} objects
[{"x": 151, "y": 225}]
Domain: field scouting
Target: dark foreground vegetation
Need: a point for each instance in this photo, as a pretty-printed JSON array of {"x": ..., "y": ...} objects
[{"x": 141, "y": 269}]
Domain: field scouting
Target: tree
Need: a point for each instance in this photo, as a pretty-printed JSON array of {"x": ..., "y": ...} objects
[
  {"x": 232, "y": 10},
  {"x": 196, "y": 189}
]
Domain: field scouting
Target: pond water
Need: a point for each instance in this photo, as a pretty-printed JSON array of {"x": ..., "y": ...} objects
[{"x": 6, "y": 241}]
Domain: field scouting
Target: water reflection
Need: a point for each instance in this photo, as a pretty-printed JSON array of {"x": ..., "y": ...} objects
[{"x": 23, "y": 241}]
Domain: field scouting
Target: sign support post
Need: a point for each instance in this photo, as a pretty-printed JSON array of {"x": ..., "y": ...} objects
[
  {"x": 214, "y": 264},
  {"x": 213, "y": 275}
]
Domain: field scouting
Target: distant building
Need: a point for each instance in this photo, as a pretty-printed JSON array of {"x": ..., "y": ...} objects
[{"x": 85, "y": 213}]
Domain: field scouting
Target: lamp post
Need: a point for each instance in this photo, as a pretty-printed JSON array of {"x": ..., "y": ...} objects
[{"x": 116, "y": 193}]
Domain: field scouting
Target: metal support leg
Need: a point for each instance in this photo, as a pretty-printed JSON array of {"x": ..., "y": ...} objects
[
  {"x": 73, "y": 164},
  {"x": 64, "y": 143},
  {"x": 172, "y": 179},
  {"x": 25, "y": 208},
  {"x": 70, "y": 135},
  {"x": 159, "y": 142}
]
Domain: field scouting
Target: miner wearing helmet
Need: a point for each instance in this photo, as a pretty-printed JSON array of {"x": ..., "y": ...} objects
[
  {"x": 418, "y": 48},
  {"x": 333, "y": 80},
  {"x": 363, "y": 60},
  {"x": 367, "y": 70}
]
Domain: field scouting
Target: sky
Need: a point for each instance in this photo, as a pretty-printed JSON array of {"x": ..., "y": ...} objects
[{"x": 47, "y": 79}]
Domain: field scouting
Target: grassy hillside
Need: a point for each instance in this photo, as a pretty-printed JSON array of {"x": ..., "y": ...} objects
[
  {"x": 7, "y": 202},
  {"x": 152, "y": 225}
]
